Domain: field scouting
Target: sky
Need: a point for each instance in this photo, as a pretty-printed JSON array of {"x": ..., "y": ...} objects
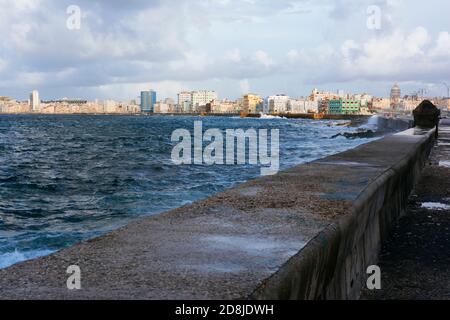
[{"x": 113, "y": 49}]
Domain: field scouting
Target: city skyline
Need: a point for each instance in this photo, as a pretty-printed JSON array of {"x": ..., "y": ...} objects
[
  {"x": 232, "y": 47},
  {"x": 204, "y": 102},
  {"x": 159, "y": 97}
]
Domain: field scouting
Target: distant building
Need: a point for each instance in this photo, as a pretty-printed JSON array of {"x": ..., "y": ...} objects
[
  {"x": 35, "y": 102},
  {"x": 109, "y": 106},
  {"x": 5, "y": 99},
  {"x": 396, "y": 96},
  {"x": 148, "y": 101},
  {"x": 185, "y": 101},
  {"x": 318, "y": 96},
  {"x": 252, "y": 103},
  {"x": 344, "y": 106},
  {"x": 409, "y": 103},
  {"x": 366, "y": 99},
  {"x": 302, "y": 106},
  {"x": 162, "y": 107},
  {"x": 278, "y": 103},
  {"x": 224, "y": 107},
  {"x": 295, "y": 106},
  {"x": 194, "y": 100},
  {"x": 66, "y": 100},
  {"x": 240, "y": 104},
  {"x": 166, "y": 106},
  {"x": 202, "y": 98},
  {"x": 311, "y": 106},
  {"x": 381, "y": 104}
]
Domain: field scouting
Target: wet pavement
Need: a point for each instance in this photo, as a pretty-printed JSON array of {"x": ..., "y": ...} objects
[{"x": 415, "y": 261}]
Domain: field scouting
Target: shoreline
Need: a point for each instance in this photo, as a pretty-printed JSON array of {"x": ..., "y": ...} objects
[{"x": 309, "y": 116}]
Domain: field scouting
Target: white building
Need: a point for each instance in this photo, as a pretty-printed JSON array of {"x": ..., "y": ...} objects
[
  {"x": 311, "y": 106},
  {"x": 185, "y": 101},
  {"x": 224, "y": 106},
  {"x": 35, "y": 102},
  {"x": 162, "y": 107},
  {"x": 202, "y": 98},
  {"x": 365, "y": 98},
  {"x": 278, "y": 103},
  {"x": 109, "y": 106},
  {"x": 296, "y": 106},
  {"x": 191, "y": 101},
  {"x": 302, "y": 106}
]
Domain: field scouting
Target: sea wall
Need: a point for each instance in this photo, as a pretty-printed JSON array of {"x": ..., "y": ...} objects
[
  {"x": 306, "y": 233},
  {"x": 333, "y": 265},
  {"x": 396, "y": 124}
]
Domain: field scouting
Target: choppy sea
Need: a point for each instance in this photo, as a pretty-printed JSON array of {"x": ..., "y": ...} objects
[{"x": 65, "y": 179}]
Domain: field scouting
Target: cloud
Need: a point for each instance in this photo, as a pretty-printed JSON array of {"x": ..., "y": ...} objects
[
  {"x": 442, "y": 48},
  {"x": 244, "y": 86},
  {"x": 263, "y": 58},
  {"x": 398, "y": 56},
  {"x": 215, "y": 43}
]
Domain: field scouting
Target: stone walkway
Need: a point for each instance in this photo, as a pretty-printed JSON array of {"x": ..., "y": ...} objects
[{"x": 415, "y": 262}]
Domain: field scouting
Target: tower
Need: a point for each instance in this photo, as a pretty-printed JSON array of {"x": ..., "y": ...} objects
[{"x": 34, "y": 100}]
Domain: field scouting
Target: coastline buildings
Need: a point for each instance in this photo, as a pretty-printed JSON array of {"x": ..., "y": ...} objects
[
  {"x": 204, "y": 102},
  {"x": 340, "y": 103},
  {"x": 148, "y": 101},
  {"x": 9, "y": 105},
  {"x": 322, "y": 99},
  {"x": 70, "y": 106}
]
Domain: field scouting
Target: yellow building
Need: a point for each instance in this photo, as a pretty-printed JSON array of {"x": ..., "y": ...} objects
[{"x": 252, "y": 103}]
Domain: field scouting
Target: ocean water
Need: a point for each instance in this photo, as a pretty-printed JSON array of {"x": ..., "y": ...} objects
[{"x": 65, "y": 179}]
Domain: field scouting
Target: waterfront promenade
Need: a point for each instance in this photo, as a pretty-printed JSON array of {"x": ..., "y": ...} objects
[
  {"x": 253, "y": 241},
  {"x": 415, "y": 260}
]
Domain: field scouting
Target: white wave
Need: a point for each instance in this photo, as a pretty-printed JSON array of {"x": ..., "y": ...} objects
[
  {"x": 445, "y": 164},
  {"x": 372, "y": 124},
  {"x": 373, "y": 121},
  {"x": 10, "y": 258},
  {"x": 268, "y": 116},
  {"x": 435, "y": 206}
]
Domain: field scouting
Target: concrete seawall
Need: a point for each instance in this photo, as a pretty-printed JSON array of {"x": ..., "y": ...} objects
[
  {"x": 333, "y": 264},
  {"x": 307, "y": 233}
]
